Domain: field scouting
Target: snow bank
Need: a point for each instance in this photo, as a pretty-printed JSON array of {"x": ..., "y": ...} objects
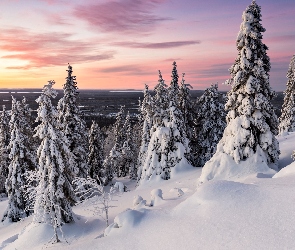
[
  {"x": 286, "y": 147},
  {"x": 223, "y": 167},
  {"x": 125, "y": 221},
  {"x": 286, "y": 171}
]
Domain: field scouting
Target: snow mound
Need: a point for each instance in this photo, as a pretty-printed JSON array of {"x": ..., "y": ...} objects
[
  {"x": 286, "y": 147},
  {"x": 223, "y": 167},
  {"x": 178, "y": 191},
  {"x": 120, "y": 187},
  {"x": 138, "y": 201},
  {"x": 286, "y": 171},
  {"x": 125, "y": 221},
  {"x": 157, "y": 197}
]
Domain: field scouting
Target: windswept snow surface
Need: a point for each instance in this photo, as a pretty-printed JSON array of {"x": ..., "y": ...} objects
[{"x": 253, "y": 212}]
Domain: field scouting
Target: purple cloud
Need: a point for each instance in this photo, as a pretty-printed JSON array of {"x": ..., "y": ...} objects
[
  {"x": 162, "y": 45},
  {"x": 123, "y": 16}
]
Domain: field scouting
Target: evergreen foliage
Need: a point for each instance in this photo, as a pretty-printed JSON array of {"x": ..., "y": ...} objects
[
  {"x": 251, "y": 121},
  {"x": 112, "y": 162},
  {"x": 4, "y": 152},
  {"x": 146, "y": 119},
  {"x": 187, "y": 108},
  {"x": 209, "y": 124},
  {"x": 95, "y": 155},
  {"x": 21, "y": 160},
  {"x": 72, "y": 125},
  {"x": 287, "y": 119},
  {"x": 128, "y": 156},
  {"x": 55, "y": 193},
  {"x": 168, "y": 145},
  {"x": 33, "y": 142}
]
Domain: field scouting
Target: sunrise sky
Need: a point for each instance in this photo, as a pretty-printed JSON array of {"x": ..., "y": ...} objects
[{"x": 122, "y": 43}]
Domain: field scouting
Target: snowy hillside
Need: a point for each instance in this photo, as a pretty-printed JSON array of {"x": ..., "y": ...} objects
[{"x": 256, "y": 213}]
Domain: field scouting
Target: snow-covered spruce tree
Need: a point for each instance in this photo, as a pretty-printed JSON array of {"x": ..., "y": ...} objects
[
  {"x": 95, "y": 155},
  {"x": 73, "y": 125},
  {"x": 209, "y": 124},
  {"x": 21, "y": 160},
  {"x": 4, "y": 152},
  {"x": 287, "y": 119},
  {"x": 178, "y": 145},
  {"x": 160, "y": 100},
  {"x": 168, "y": 145},
  {"x": 112, "y": 162},
  {"x": 146, "y": 113},
  {"x": 128, "y": 159},
  {"x": 55, "y": 193},
  {"x": 251, "y": 121},
  {"x": 33, "y": 142},
  {"x": 187, "y": 107}
]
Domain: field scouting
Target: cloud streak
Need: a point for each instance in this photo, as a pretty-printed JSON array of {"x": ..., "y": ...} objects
[
  {"x": 123, "y": 16},
  {"x": 130, "y": 69},
  {"x": 162, "y": 45},
  {"x": 50, "y": 49}
]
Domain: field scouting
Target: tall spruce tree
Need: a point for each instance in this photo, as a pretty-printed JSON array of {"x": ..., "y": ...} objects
[
  {"x": 73, "y": 125},
  {"x": 178, "y": 134},
  {"x": 187, "y": 108},
  {"x": 160, "y": 100},
  {"x": 168, "y": 145},
  {"x": 146, "y": 119},
  {"x": 128, "y": 159},
  {"x": 209, "y": 124},
  {"x": 95, "y": 155},
  {"x": 112, "y": 162},
  {"x": 21, "y": 160},
  {"x": 33, "y": 142},
  {"x": 55, "y": 193},
  {"x": 287, "y": 119},
  {"x": 4, "y": 152},
  {"x": 251, "y": 120}
]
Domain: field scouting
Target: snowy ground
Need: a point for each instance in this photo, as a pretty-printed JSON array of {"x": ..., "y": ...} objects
[{"x": 256, "y": 213}]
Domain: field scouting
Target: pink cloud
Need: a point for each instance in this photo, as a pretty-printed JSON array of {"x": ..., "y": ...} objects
[
  {"x": 54, "y": 18},
  {"x": 162, "y": 45},
  {"x": 131, "y": 69},
  {"x": 50, "y": 49},
  {"x": 123, "y": 16},
  {"x": 280, "y": 39}
]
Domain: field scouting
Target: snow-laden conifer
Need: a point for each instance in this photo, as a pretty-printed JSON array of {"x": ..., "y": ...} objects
[
  {"x": 178, "y": 145},
  {"x": 160, "y": 100},
  {"x": 128, "y": 158},
  {"x": 21, "y": 160},
  {"x": 287, "y": 119},
  {"x": 55, "y": 193},
  {"x": 95, "y": 155},
  {"x": 112, "y": 162},
  {"x": 72, "y": 124},
  {"x": 146, "y": 120},
  {"x": 251, "y": 121},
  {"x": 168, "y": 145},
  {"x": 187, "y": 108},
  {"x": 33, "y": 142},
  {"x": 209, "y": 124},
  {"x": 4, "y": 152}
]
